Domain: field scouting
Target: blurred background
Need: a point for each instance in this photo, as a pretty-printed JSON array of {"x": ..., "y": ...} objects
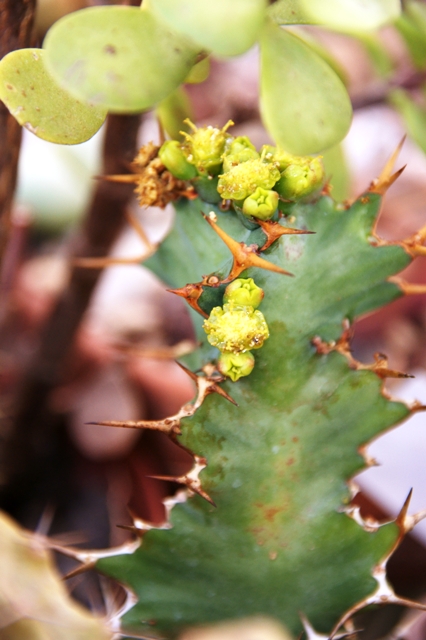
[{"x": 117, "y": 362}]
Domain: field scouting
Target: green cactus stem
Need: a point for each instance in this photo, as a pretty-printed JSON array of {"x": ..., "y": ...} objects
[{"x": 264, "y": 523}]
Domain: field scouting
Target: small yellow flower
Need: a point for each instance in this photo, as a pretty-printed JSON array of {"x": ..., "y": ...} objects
[
  {"x": 205, "y": 147},
  {"x": 236, "y": 328},
  {"x": 243, "y": 180}
]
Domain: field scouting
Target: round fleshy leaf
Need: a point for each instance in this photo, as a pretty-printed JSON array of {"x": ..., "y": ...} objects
[
  {"x": 289, "y": 12},
  {"x": 117, "y": 56},
  {"x": 352, "y": 15},
  {"x": 413, "y": 115},
  {"x": 40, "y": 105},
  {"x": 304, "y": 104},
  {"x": 344, "y": 15},
  {"x": 223, "y": 27}
]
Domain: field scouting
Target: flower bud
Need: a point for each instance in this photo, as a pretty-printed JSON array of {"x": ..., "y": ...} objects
[
  {"x": 205, "y": 147},
  {"x": 173, "y": 158},
  {"x": 236, "y": 328},
  {"x": 298, "y": 181},
  {"x": 243, "y": 180},
  {"x": 235, "y": 365},
  {"x": 261, "y": 204},
  {"x": 240, "y": 150},
  {"x": 282, "y": 159},
  {"x": 245, "y": 292}
]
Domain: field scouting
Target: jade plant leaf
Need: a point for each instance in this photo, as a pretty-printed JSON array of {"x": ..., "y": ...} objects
[
  {"x": 289, "y": 12},
  {"x": 344, "y": 15},
  {"x": 412, "y": 27},
  {"x": 223, "y": 27},
  {"x": 277, "y": 542},
  {"x": 304, "y": 104},
  {"x": 413, "y": 115},
  {"x": 349, "y": 15},
  {"x": 119, "y": 57},
  {"x": 40, "y": 105}
]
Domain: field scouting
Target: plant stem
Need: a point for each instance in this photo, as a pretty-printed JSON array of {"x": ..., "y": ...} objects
[{"x": 16, "y": 22}]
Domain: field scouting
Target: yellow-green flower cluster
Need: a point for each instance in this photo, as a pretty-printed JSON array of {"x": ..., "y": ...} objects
[
  {"x": 242, "y": 180},
  {"x": 205, "y": 147},
  {"x": 253, "y": 181},
  {"x": 237, "y": 327}
]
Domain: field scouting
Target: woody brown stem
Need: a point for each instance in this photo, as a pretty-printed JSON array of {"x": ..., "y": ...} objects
[{"x": 16, "y": 22}]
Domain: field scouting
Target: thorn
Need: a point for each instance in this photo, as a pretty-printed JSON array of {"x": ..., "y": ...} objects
[
  {"x": 78, "y": 570},
  {"x": 402, "y": 515},
  {"x": 406, "y": 287},
  {"x": 244, "y": 256},
  {"x": 407, "y": 523},
  {"x": 212, "y": 387},
  {"x": 381, "y": 187},
  {"x": 168, "y": 425},
  {"x": 126, "y": 178},
  {"x": 380, "y": 367},
  {"x": 342, "y": 346},
  {"x": 417, "y": 406},
  {"x": 102, "y": 263},
  {"x": 191, "y": 479},
  {"x": 177, "y": 350},
  {"x": 191, "y": 293},
  {"x": 273, "y": 231},
  {"x": 413, "y": 245},
  {"x": 188, "y": 372},
  {"x": 130, "y": 527},
  {"x": 381, "y": 184}
]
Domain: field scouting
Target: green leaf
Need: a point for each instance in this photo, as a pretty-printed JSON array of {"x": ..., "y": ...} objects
[
  {"x": 173, "y": 110},
  {"x": 199, "y": 72},
  {"x": 304, "y": 104},
  {"x": 289, "y": 12},
  {"x": 223, "y": 27},
  {"x": 337, "y": 172},
  {"x": 40, "y": 105},
  {"x": 377, "y": 52},
  {"x": 412, "y": 27},
  {"x": 350, "y": 15},
  {"x": 117, "y": 56},
  {"x": 343, "y": 15},
  {"x": 413, "y": 115},
  {"x": 278, "y": 463}
]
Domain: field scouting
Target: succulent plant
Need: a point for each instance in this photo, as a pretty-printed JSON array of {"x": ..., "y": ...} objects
[{"x": 264, "y": 523}]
